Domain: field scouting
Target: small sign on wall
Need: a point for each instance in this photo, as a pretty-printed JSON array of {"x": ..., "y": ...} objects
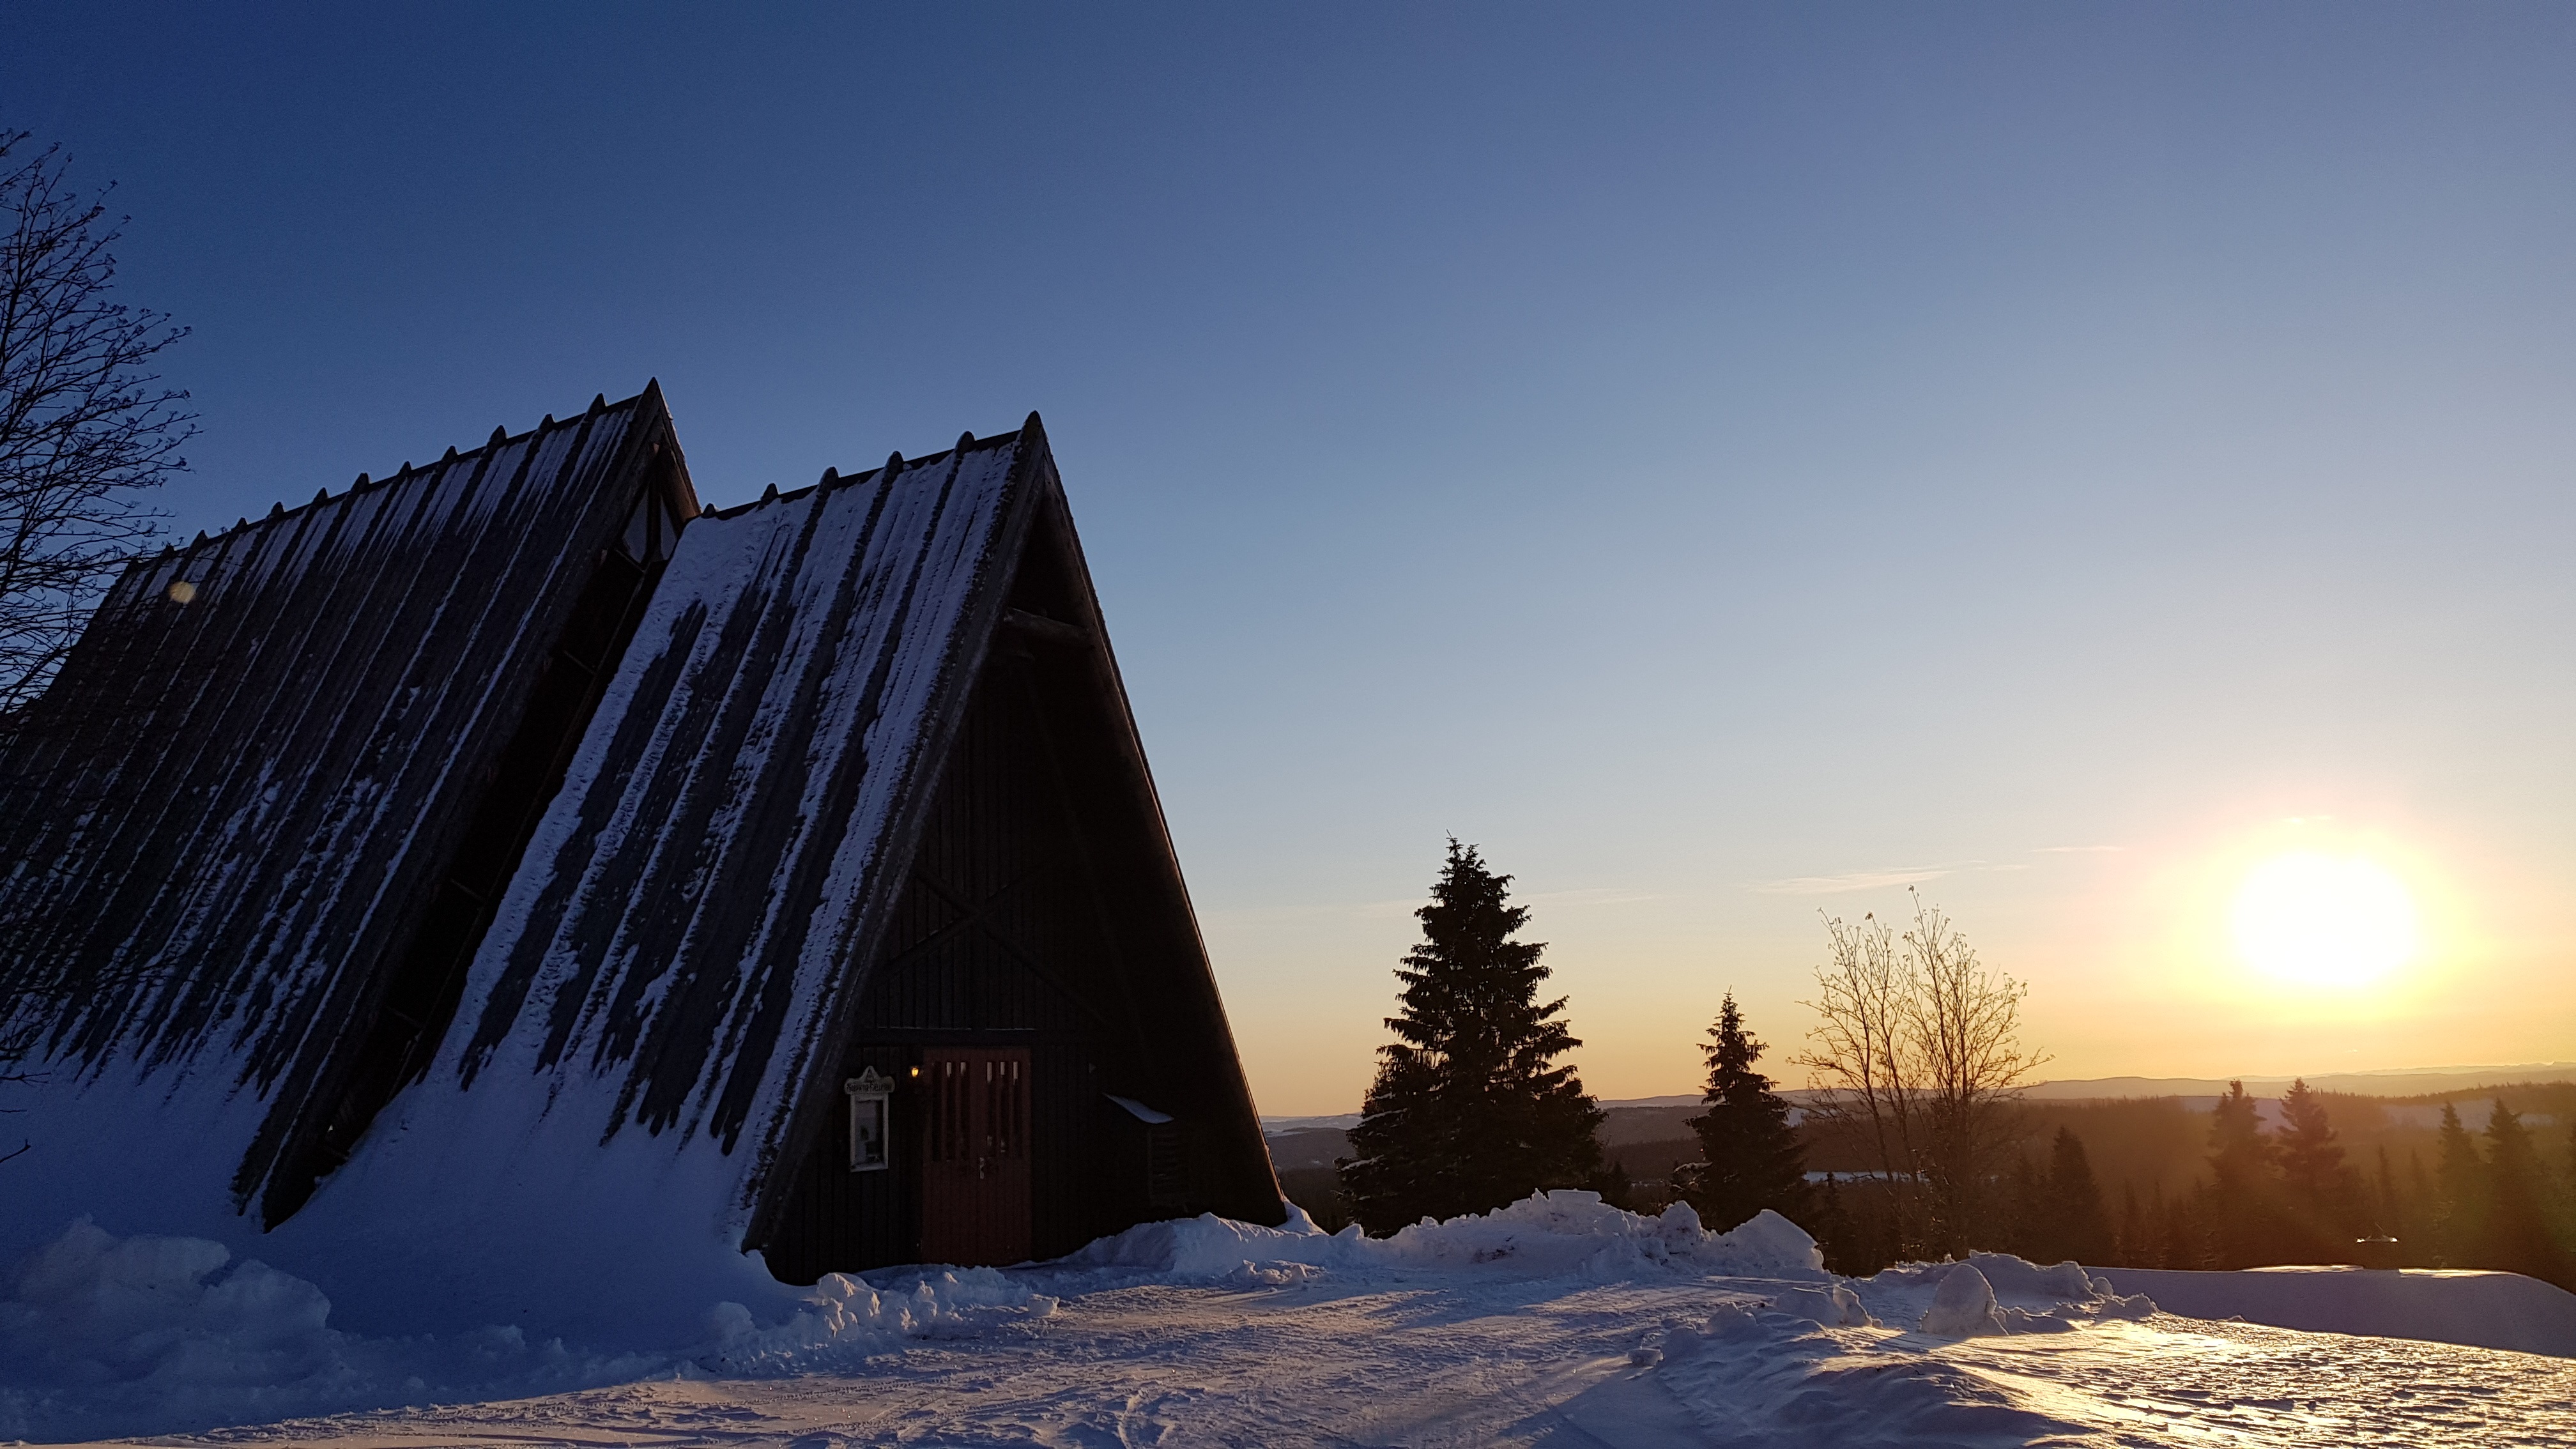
[{"x": 869, "y": 1119}]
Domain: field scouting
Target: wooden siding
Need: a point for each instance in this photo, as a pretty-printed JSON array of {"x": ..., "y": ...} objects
[
  {"x": 1034, "y": 914},
  {"x": 996, "y": 941}
]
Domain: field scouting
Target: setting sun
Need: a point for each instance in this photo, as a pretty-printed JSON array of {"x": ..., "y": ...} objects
[{"x": 2324, "y": 920}]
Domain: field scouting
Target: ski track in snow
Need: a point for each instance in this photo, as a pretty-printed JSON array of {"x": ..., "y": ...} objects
[
  {"x": 1557, "y": 1321},
  {"x": 1537, "y": 1363}
]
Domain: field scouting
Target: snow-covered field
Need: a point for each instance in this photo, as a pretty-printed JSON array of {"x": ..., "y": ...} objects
[{"x": 1557, "y": 1321}]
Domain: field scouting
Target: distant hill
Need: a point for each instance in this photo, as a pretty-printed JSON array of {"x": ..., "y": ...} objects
[
  {"x": 2407, "y": 1082},
  {"x": 2150, "y": 1133},
  {"x": 1310, "y": 1142},
  {"x": 2392, "y": 1082}
]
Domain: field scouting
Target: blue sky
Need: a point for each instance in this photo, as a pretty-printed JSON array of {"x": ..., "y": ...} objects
[{"x": 1729, "y": 461}]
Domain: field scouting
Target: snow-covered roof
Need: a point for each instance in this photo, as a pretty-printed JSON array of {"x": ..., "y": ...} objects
[
  {"x": 672, "y": 967},
  {"x": 682, "y": 925},
  {"x": 227, "y": 814}
]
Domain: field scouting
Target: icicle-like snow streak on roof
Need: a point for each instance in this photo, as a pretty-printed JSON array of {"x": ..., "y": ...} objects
[
  {"x": 677, "y": 936},
  {"x": 213, "y": 811}
]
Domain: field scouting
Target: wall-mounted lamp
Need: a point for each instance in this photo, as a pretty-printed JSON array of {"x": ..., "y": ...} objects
[{"x": 868, "y": 1120}]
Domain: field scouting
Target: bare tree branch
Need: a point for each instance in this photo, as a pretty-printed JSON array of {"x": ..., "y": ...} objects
[
  {"x": 86, "y": 431},
  {"x": 1917, "y": 1051},
  {"x": 85, "y": 427}
]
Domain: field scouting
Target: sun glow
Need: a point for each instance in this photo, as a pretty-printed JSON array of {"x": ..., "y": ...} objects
[{"x": 2324, "y": 920}]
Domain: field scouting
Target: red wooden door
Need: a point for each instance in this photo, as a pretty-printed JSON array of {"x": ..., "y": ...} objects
[{"x": 975, "y": 1159}]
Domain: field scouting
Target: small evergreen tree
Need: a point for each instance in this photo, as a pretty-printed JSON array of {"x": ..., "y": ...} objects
[
  {"x": 2424, "y": 1214},
  {"x": 2186, "y": 1242},
  {"x": 2078, "y": 1226},
  {"x": 2133, "y": 1250},
  {"x": 2388, "y": 1216},
  {"x": 1834, "y": 1229},
  {"x": 1750, "y": 1155},
  {"x": 1468, "y": 1112},
  {"x": 2017, "y": 1219}
]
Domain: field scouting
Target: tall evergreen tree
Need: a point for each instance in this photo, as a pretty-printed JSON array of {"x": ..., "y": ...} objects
[
  {"x": 2517, "y": 1236},
  {"x": 2078, "y": 1226},
  {"x": 2459, "y": 1213},
  {"x": 1750, "y": 1155},
  {"x": 1468, "y": 1112},
  {"x": 2313, "y": 1171},
  {"x": 2244, "y": 1215}
]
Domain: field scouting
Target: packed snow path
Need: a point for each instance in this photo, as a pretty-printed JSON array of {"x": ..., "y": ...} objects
[
  {"x": 1548, "y": 1365},
  {"x": 1555, "y": 1322}
]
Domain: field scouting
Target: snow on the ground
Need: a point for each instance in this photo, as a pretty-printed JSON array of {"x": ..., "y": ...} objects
[
  {"x": 1556, "y": 1321},
  {"x": 2447, "y": 1305}
]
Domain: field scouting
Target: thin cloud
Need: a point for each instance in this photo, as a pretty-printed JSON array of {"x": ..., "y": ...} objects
[
  {"x": 1858, "y": 880},
  {"x": 1271, "y": 915},
  {"x": 1594, "y": 896},
  {"x": 2076, "y": 849}
]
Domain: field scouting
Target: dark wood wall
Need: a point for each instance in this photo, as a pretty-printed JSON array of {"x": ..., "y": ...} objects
[
  {"x": 1044, "y": 910},
  {"x": 998, "y": 941}
]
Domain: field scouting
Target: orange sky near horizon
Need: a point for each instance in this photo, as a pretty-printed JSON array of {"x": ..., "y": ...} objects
[{"x": 2129, "y": 952}]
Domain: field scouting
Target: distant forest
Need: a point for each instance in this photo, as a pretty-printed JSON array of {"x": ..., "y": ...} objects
[
  {"x": 1915, "y": 1139},
  {"x": 2164, "y": 1187},
  {"x": 2155, "y": 1187}
]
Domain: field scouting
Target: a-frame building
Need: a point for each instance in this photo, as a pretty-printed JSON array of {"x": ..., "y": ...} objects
[{"x": 511, "y": 858}]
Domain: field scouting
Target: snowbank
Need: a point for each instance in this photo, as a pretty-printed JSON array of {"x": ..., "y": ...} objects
[
  {"x": 1545, "y": 1235},
  {"x": 1992, "y": 1293},
  {"x": 2479, "y": 1309},
  {"x": 1995, "y": 1292},
  {"x": 105, "y": 1335},
  {"x": 1963, "y": 1306},
  {"x": 102, "y": 1336}
]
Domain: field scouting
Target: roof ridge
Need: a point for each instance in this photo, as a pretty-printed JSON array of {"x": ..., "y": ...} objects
[
  {"x": 501, "y": 437},
  {"x": 835, "y": 478}
]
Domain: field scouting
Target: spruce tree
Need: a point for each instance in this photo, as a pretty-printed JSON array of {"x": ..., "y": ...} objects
[
  {"x": 2460, "y": 1206},
  {"x": 2387, "y": 1214},
  {"x": 1835, "y": 1232},
  {"x": 1750, "y": 1155},
  {"x": 2517, "y": 1237},
  {"x": 2312, "y": 1168},
  {"x": 2186, "y": 1242},
  {"x": 2079, "y": 1228},
  {"x": 1468, "y": 1112},
  {"x": 2423, "y": 1211},
  {"x": 2244, "y": 1212},
  {"x": 2017, "y": 1216}
]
